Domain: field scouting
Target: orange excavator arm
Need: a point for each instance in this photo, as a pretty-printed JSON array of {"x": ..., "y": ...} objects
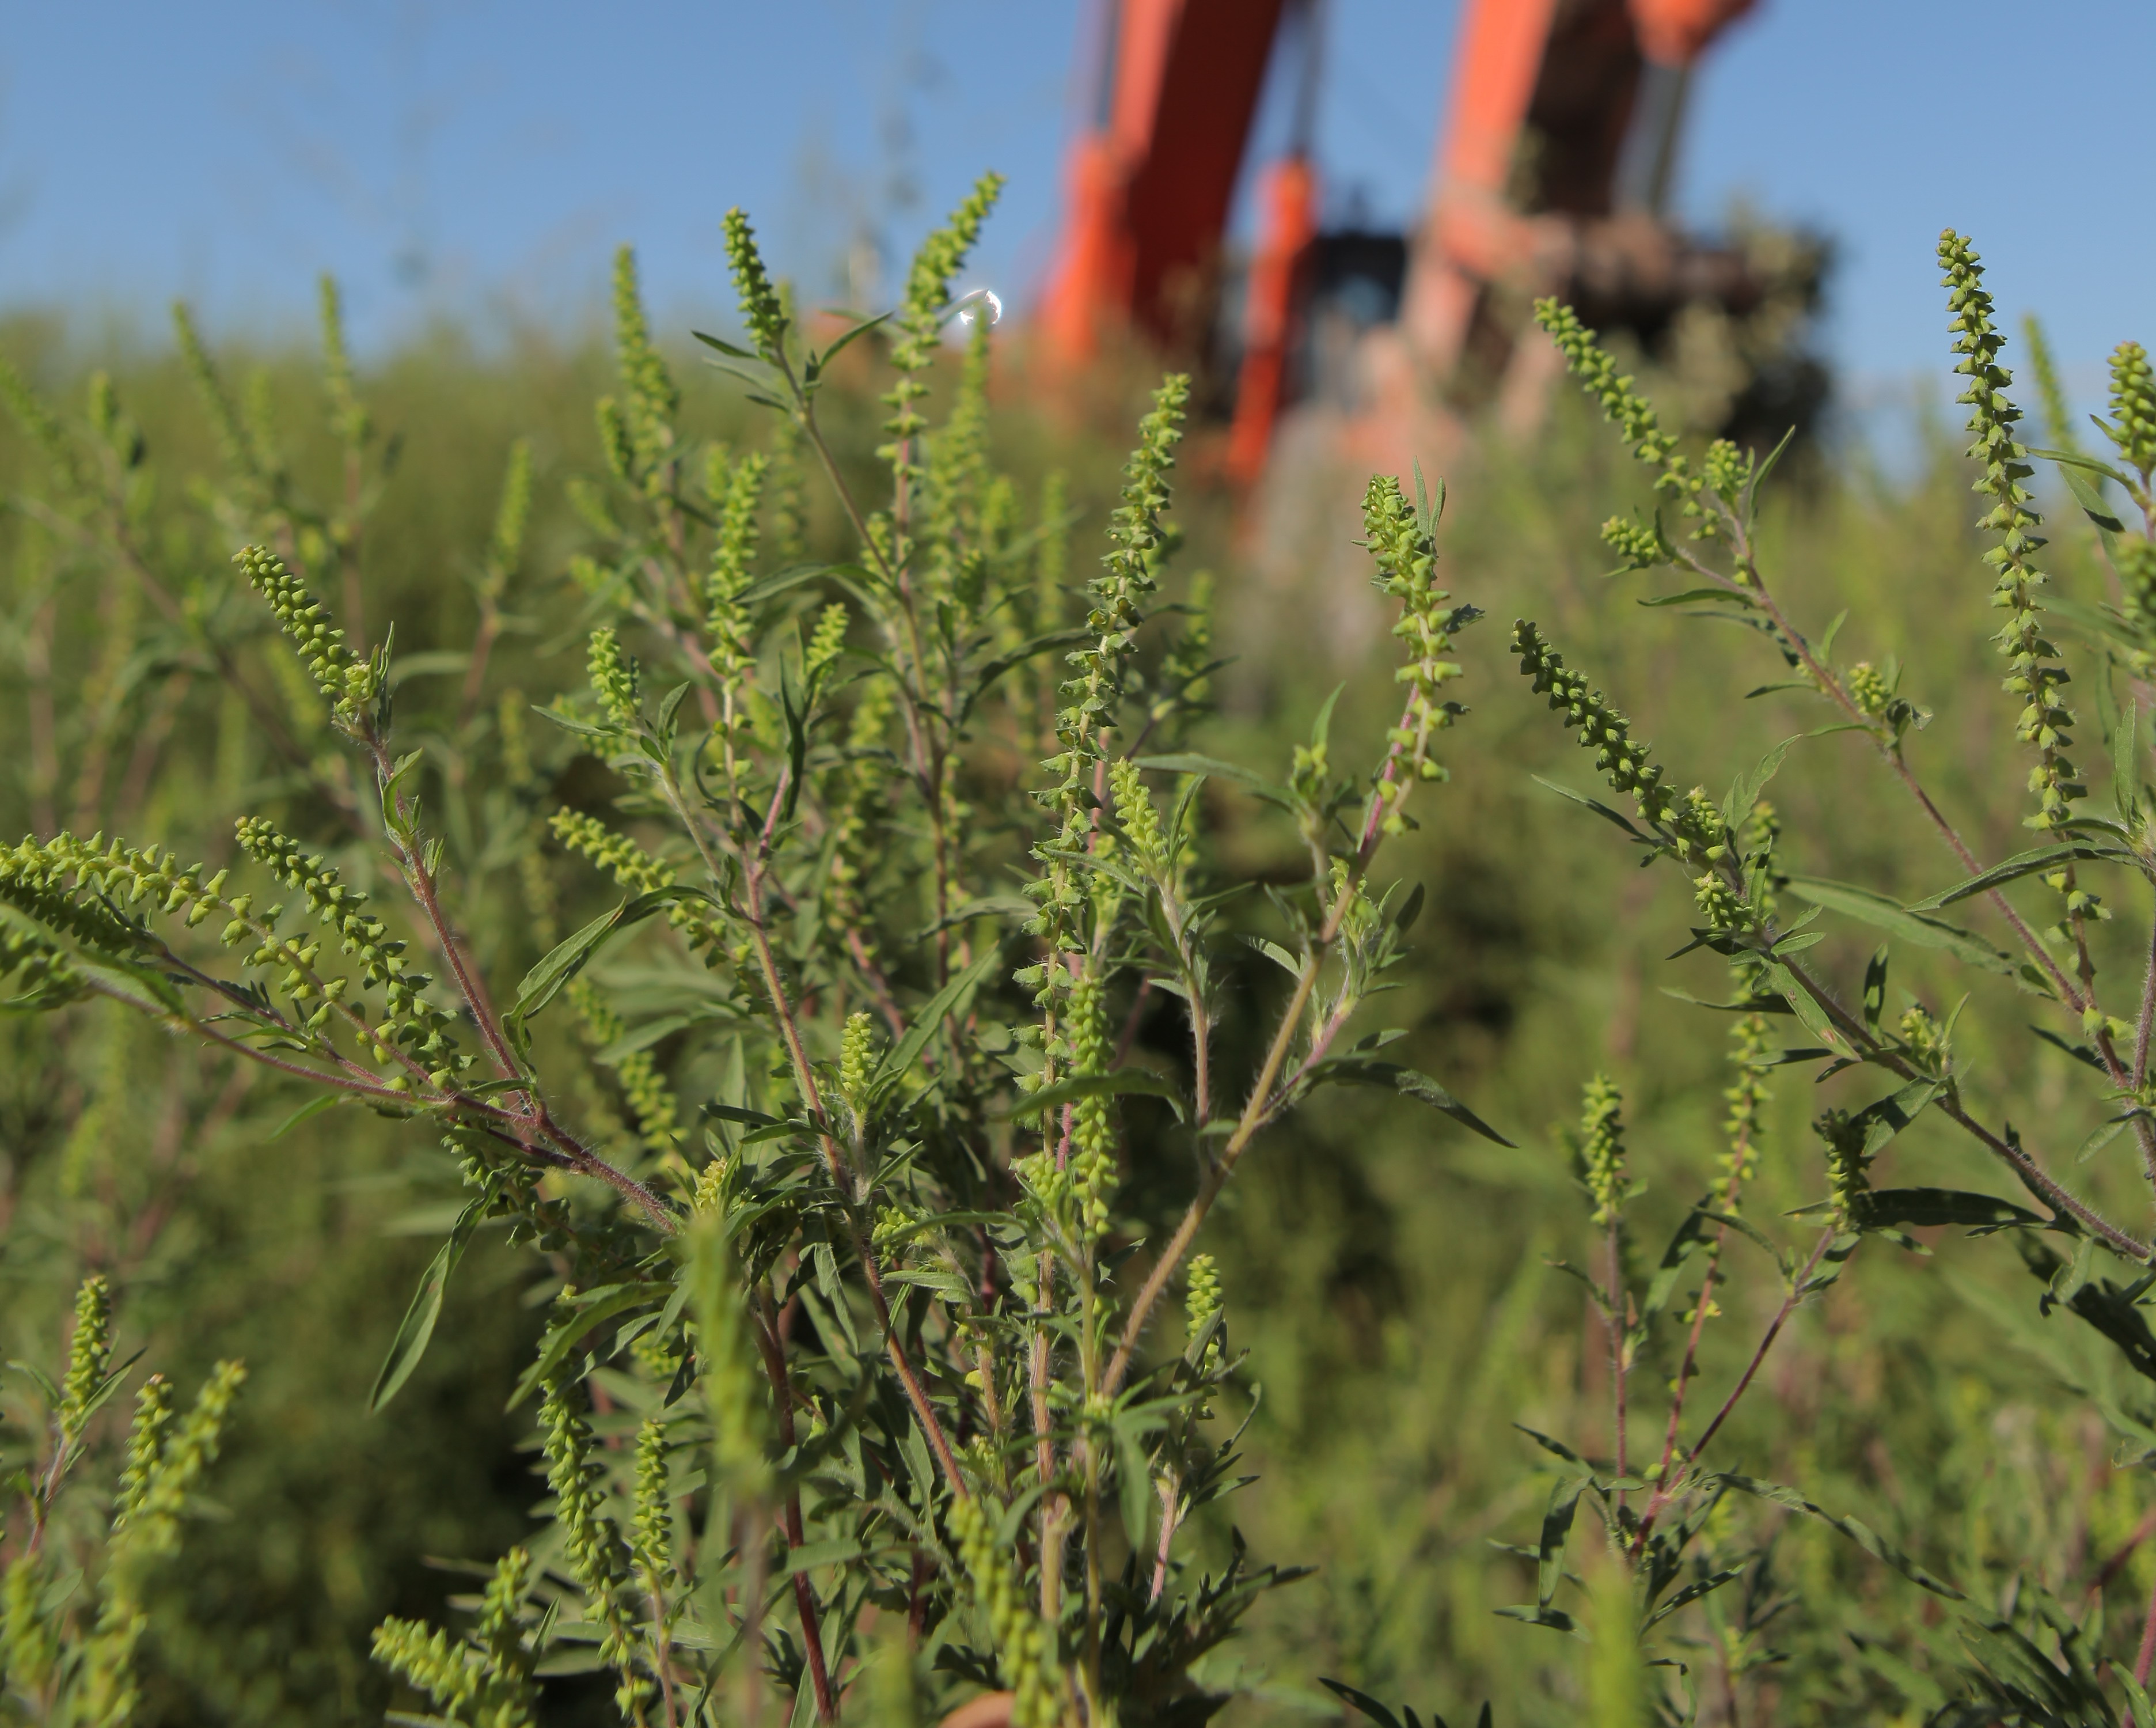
[
  {"x": 1150, "y": 181},
  {"x": 1526, "y": 181},
  {"x": 1543, "y": 99}
]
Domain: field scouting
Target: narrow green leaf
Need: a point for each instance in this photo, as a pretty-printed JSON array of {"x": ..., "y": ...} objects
[
  {"x": 1809, "y": 1015},
  {"x": 900, "y": 1058},
  {"x": 1134, "y": 1492},
  {"x": 307, "y": 1112},
  {"x": 568, "y": 958},
  {"x": 669, "y": 707},
  {"x": 1557, "y": 1530},
  {"x": 1883, "y": 1120},
  {"x": 1755, "y": 1004},
  {"x": 833, "y": 1290},
  {"x": 2099, "y": 621},
  {"x": 2021, "y": 864},
  {"x": 1084, "y": 1086},
  {"x": 2125, "y": 779},
  {"x": 417, "y": 1327},
  {"x": 1744, "y": 792},
  {"x": 2078, "y": 460},
  {"x": 1862, "y": 1534},
  {"x": 1043, "y": 644},
  {"x": 858, "y": 330},
  {"x": 725, "y": 347},
  {"x": 1554, "y": 1619},
  {"x": 1882, "y": 913},
  {"x": 1363, "y": 1702},
  {"x": 1692, "y": 596},
  {"x": 1921, "y": 1208},
  {"x": 595, "y": 1308},
  {"x": 2089, "y": 495},
  {"x": 1747, "y": 1229},
  {"x": 1599, "y": 809},
  {"x": 1207, "y": 766},
  {"x": 1688, "y": 1241},
  {"x": 1875, "y": 989},
  {"x": 1321, "y": 729},
  {"x": 836, "y": 1551},
  {"x": 852, "y": 578},
  {"x": 1355, "y": 1071},
  {"x": 1693, "y": 1592}
]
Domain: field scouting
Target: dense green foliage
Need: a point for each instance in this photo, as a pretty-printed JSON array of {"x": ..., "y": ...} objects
[{"x": 896, "y": 883}]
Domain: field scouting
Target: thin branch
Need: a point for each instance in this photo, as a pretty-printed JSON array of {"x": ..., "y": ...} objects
[
  {"x": 804, "y": 1078},
  {"x": 1254, "y": 1117},
  {"x": 1666, "y": 1489},
  {"x": 1264, "y": 1104},
  {"x": 805, "y": 1594}
]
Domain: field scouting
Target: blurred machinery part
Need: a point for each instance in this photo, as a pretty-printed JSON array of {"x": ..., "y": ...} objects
[{"x": 1553, "y": 176}]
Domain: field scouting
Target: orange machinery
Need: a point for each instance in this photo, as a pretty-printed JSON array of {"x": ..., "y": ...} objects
[{"x": 1551, "y": 173}]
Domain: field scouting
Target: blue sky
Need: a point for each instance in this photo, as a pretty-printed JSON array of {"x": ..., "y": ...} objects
[{"x": 481, "y": 159}]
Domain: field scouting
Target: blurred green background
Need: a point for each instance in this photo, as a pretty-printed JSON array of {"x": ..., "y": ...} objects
[{"x": 1387, "y": 1273}]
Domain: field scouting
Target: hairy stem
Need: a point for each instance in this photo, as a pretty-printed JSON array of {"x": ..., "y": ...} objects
[
  {"x": 2145, "y": 1020},
  {"x": 1616, "y": 1317},
  {"x": 1255, "y": 1113}
]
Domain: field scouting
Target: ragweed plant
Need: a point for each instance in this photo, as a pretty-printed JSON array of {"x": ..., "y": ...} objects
[
  {"x": 1669, "y": 1513},
  {"x": 148, "y": 691},
  {"x": 850, "y": 1343},
  {"x": 72, "y": 1608}
]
